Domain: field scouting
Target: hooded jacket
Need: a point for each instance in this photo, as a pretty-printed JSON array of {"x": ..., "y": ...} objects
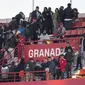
[
  {"x": 56, "y": 15},
  {"x": 62, "y": 64},
  {"x": 4, "y": 70}
]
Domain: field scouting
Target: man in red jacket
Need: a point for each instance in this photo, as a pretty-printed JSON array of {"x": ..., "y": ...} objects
[{"x": 62, "y": 65}]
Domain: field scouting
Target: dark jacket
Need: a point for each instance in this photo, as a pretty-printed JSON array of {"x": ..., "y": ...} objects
[
  {"x": 68, "y": 13},
  {"x": 69, "y": 54},
  {"x": 34, "y": 14},
  {"x": 47, "y": 19},
  {"x": 12, "y": 42},
  {"x": 37, "y": 67},
  {"x": 20, "y": 66},
  {"x": 45, "y": 65},
  {"x": 12, "y": 68},
  {"x": 52, "y": 67},
  {"x": 55, "y": 61},
  {"x": 61, "y": 15},
  {"x": 32, "y": 31},
  {"x": 29, "y": 66},
  {"x": 18, "y": 17}
]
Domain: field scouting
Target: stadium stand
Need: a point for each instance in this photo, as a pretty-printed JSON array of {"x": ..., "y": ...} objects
[{"x": 37, "y": 50}]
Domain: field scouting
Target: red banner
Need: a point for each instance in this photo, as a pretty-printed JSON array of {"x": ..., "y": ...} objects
[{"x": 41, "y": 51}]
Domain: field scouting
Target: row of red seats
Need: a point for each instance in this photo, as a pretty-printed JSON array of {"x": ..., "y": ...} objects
[
  {"x": 75, "y": 32},
  {"x": 78, "y": 25}
]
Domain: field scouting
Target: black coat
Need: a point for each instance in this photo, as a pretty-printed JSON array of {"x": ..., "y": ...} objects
[
  {"x": 30, "y": 66},
  {"x": 69, "y": 54},
  {"x": 47, "y": 19},
  {"x": 48, "y": 22},
  {"x": 45, "y": 65},
  {"x": 18, "y": 17},
  {"x": 68, "y": 13},
  {"x": 52, "y": 67},
  {"x": 31, "y": 31},
  {"x": 61, "y": 15},
  {"x": 34, "y": 15},
  {"x": 20, "y": 66},
  {"x": 12, "y": 42}
]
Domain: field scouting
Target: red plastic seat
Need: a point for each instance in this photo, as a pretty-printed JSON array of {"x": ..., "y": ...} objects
[
  {"x": 78, "y": 25},
  {"x": 74, "y": 32},
  {"x": 80, "y": 32},
  {"x": 68, "y": 33}
]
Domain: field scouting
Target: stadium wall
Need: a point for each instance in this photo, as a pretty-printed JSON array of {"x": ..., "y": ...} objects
[{"x": 53, "y": 82}]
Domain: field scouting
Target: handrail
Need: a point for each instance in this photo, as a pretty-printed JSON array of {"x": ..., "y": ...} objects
[
  {"x": 53, "y": 39},
  {"x": 8, "y": 54},
  {"x": 16, "y": 75}
]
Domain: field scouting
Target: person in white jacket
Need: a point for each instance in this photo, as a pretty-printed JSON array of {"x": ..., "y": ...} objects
[{"x": 4, "y": 71}]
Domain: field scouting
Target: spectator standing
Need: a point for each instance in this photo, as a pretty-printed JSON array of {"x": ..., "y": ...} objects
[
  {"x": 12, "y": 43},
  {"x": 13, "y": 24},
  {"x": 83, "y": 48},
  {"x": 38, "y": 67},
  {"x": 21, "y": 65},
  {"x": 79, "y": 63},
  {"x": 4, "y": 71},
  {"x": 50, "y": 23},
  {"x": 36, "y": 14},
  {"x": 29, "y": 67},
  {"x": 51, "y": 68},
  {"x": 68, "y": 17},
  {"x": 30, "y": 18},
  {"x": 55, "y": 19},
  {"x": 18, "y": 18},
  {"x": 34, "y": 27},
  {"x": 45, "y": 19},
  {"x": 45, "y": 64},
  {"x": 50, "y": 10},
  {"x": 75, "y": 13},
  {"x": 69, "y": 59},
  {"x": 61, "y": 14}
]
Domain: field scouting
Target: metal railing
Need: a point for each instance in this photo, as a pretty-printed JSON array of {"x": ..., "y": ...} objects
[{"x": 24, "y": 76}]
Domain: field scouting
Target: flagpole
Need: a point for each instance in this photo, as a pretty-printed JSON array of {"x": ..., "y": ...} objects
[
  {"x": 32, "y": 5},
  {"x": 71, "y": 2}
]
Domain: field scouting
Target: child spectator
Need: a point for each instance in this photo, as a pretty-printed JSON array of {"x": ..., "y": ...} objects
[{"x": 62, "y": 65}]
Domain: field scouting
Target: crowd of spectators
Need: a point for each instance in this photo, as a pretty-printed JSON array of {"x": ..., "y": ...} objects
[
  {"x": 39, "y": 27},
  {"x": 45, "y": 23},
  {"x": 57, "y": 67}
]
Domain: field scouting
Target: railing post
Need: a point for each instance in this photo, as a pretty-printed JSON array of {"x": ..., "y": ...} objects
[{"x": 47, "y": 75}]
